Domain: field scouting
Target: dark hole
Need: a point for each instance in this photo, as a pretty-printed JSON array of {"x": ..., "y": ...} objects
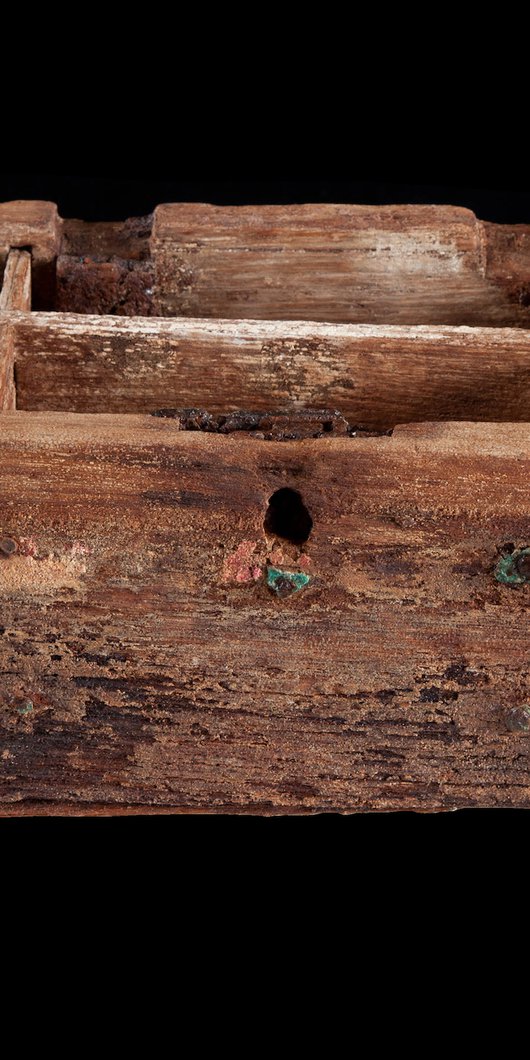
[
  {"x": 508, "y": 547},
  {"x": 328, "y": 425},
  {"x": 288, "y": 517}
]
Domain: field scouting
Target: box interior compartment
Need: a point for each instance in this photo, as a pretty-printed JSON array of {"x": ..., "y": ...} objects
[{"x": 388, "y": 314}]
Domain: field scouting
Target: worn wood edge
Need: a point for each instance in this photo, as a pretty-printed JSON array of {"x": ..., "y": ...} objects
[
  {"x": 247, "y": 327},
  {"x": 66, "y": 809},
  {"x": 186, "y": 220},
  {"x": 16, "y": 287}
]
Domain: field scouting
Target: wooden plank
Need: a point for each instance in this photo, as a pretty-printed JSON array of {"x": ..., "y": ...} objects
[
  {"x": 376, "y": 375},
  {"x": 16, "y": 287},
  {"x": 146, "y": 663},
  {"x": 15, "y": 295},
  {"x": 7, "y": 378},
  {"x": 363, "y": 264}
]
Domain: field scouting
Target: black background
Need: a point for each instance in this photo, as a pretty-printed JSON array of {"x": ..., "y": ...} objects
[
  {"x": 100, "y": 195},
  {"x": 103, "y": 193}
]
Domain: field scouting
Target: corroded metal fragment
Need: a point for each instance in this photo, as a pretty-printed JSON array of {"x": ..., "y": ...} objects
[
  {"x": 283, "y": 582},
  {"x": 514, "y": 568}
]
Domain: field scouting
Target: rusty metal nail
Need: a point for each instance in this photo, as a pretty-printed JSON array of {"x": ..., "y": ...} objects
[
  {"x": 7, "y": 546},
  {"x": 518, "y": 719}
]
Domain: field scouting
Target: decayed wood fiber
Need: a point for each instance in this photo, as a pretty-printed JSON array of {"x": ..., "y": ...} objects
[
  {"x": 145, "y": 662},
  {"x": 16, "y": 287},
  {"x": 105, "y": 267},
  {"x": 377, "y": 376}
]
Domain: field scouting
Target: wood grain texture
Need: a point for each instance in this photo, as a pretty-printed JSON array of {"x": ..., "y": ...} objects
[
  {"x": 16, "y": 286},
  {"x": 15, "y": 296},
  {"x": 7, "y": 360},
  {"x": 377, "y": 376},
  {"x": 145, "y": 663},
  {"x": 362, "y": 264}
]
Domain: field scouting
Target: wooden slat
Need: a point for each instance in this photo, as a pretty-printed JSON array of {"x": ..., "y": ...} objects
[
  {"x": 16, "y": 287},
  {"x": 145, "y": 662},
  {"x": 15, "y": 295},
  {"x": 376, "y": 376},
  {"x": 7, "y": 379},
  {"x": 362, "y": 264}
]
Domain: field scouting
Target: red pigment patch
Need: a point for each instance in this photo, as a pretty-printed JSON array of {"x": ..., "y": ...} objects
[
  {"x": 304, "y": 561},
  {"x": 27, "y": 546},
  {"x": 240, "y": 566}
]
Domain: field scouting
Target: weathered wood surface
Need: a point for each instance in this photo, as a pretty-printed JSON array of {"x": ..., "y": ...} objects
[
  {"x": 26, "y": 223},
  {"x": 362, "y": 264},
  {"x": 16, "y": 287},
  {"x": 377, "y": 376},
  {"x": 145, "y": 662},
  {"x": 15, "y": 295},
  {"x": 7, "y": 378},
  {"x": 358, "y": 264}
]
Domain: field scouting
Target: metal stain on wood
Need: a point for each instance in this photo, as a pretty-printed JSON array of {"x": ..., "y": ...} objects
[
  {"x": 284, "y": 582},
  {"x": 514, "y": 567}
]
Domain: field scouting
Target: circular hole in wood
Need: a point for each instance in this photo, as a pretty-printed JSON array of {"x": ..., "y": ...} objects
[{"x": 288, "y": 517}]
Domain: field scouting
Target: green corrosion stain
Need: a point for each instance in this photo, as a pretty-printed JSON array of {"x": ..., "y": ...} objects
[
  {"x": 514, "y": 569},
  {"x": 26, "y": 707},
  {"x": 284, "y": 582}
]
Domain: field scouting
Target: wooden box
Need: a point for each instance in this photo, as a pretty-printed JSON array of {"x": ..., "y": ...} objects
[{"x": 265, "y": 521}]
